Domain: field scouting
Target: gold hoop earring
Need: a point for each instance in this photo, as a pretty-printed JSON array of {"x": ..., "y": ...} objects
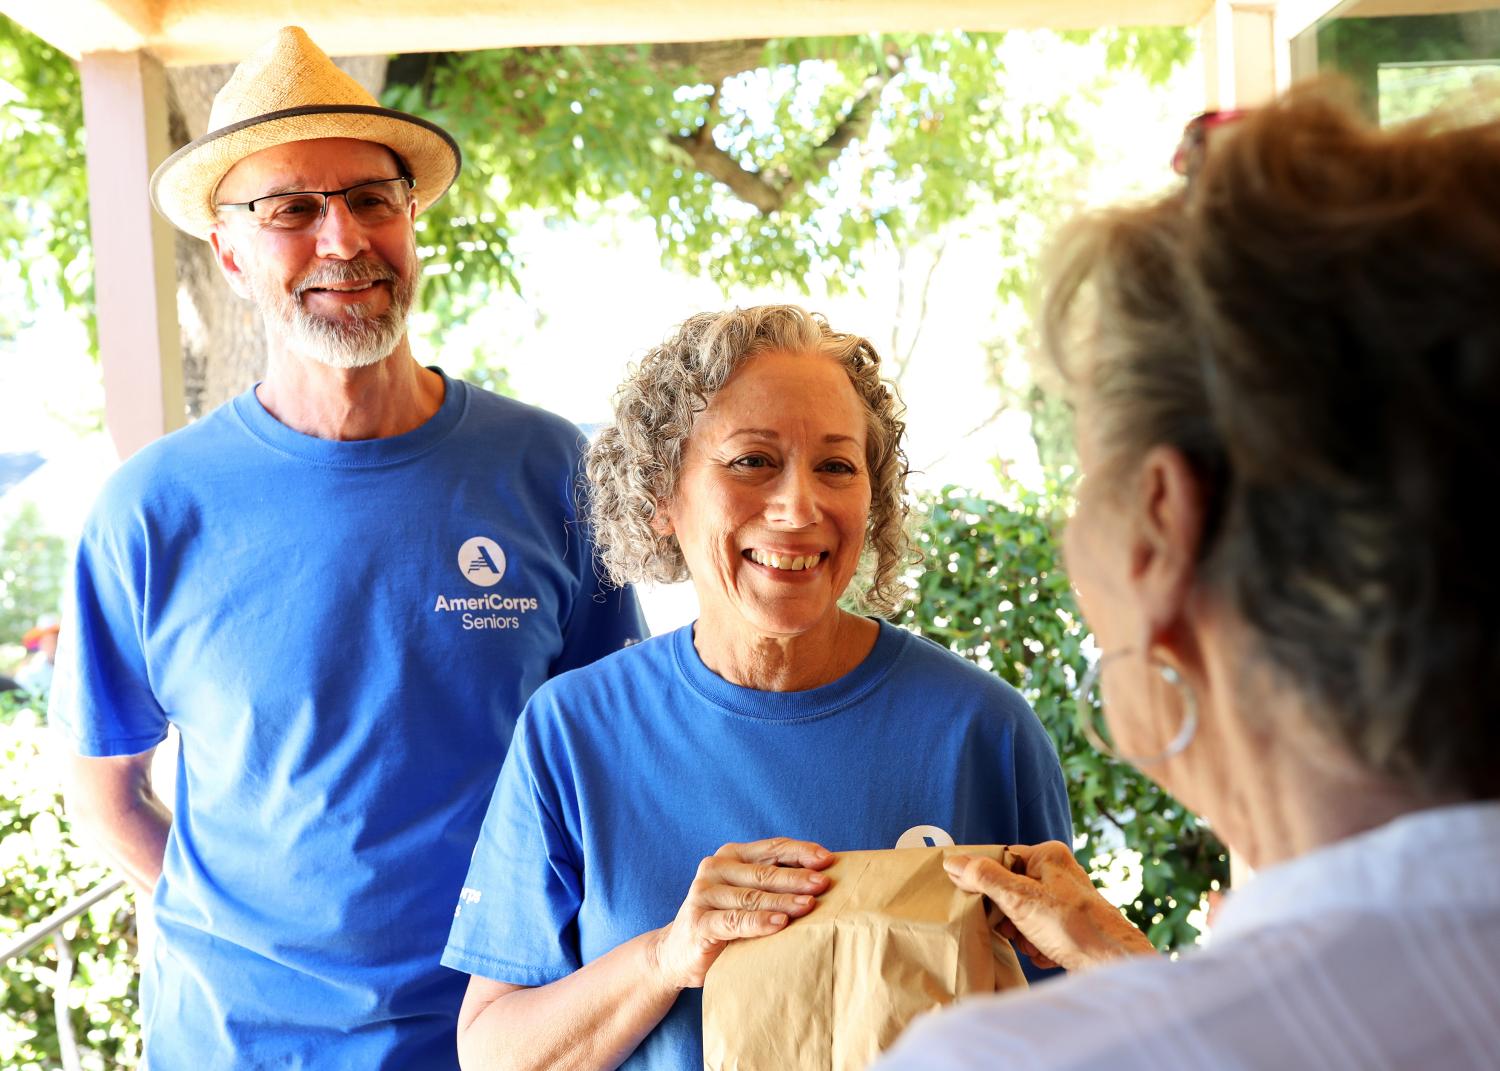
[{"x": 1086, "y": 710}]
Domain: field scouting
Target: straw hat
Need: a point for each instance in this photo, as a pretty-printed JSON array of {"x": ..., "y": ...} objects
[{"x": 291, "y": 91}]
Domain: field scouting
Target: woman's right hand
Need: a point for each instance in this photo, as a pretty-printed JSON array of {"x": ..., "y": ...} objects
[
  {"x": 1053, "y": 913},
  {"x": 742, "y": 890}
]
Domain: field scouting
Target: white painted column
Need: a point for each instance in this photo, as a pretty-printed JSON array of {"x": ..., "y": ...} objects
[
  {"x": 135, "y": 284},
  {"x": 1243, "y": 63},
  {"x": 1251, "y": 50}
]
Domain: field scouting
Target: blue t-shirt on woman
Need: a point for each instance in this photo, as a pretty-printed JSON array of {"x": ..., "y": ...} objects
[{"x": 646, "y": 761}]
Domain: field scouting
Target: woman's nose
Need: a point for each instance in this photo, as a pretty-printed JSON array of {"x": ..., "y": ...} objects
[{"x": 794, "y": 501}]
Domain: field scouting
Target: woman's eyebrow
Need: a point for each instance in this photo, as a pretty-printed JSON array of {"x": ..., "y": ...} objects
[{"x": 768, "y": 433}]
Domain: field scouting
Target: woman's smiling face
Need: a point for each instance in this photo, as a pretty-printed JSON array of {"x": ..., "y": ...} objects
[{"x": 773, "y": 501}]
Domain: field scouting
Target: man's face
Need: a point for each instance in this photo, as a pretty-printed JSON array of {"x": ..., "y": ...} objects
[{"x": 339, "y": 291}]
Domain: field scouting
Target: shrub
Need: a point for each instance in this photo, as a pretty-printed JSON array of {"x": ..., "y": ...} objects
[
  {"x": 992, "y": 588},
  {"x": 41, "y": 869}
]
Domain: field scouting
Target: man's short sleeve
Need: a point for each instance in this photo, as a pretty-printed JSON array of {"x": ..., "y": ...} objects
[
  {"x": 604, "y": 618},
  {"x": 516, "y": 918},
  {"x": 101, "y": 694}
]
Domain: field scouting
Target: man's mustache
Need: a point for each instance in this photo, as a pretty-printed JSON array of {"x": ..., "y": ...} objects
[{"x": 362, "y": 270}]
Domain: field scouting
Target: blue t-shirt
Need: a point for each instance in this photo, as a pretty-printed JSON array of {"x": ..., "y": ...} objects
[
  {"x": 344, "y": 634},
  {"x": 643, "y": 763}
]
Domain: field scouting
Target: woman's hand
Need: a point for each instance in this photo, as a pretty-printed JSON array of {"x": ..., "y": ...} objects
[
  {"x": 1053, "y": 913},
  {"x": 742, "y": 890}
]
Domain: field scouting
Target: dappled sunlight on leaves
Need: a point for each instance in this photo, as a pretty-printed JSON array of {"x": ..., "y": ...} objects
[{"x": 1002, "y": 600}]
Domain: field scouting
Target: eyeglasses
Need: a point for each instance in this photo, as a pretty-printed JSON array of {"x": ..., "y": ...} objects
[{"x": 371, "y": 203}]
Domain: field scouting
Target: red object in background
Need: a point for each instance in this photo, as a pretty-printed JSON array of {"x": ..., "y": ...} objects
[
  {"x": 32, "y": 640},
  {"x": 1190, "y": 149}
]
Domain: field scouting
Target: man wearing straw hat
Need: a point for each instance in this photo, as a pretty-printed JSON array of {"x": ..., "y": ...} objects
[{"x": 340, "y": 588}]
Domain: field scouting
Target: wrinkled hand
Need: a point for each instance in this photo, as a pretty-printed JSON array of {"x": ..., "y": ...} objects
[
  {"x": 742, "y": 890},
  {"x": 1052, "y": 912}
]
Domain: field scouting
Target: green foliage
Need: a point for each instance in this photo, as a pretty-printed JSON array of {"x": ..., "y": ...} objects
[
  {"x": 485, "y": 372},
  {"x": 992, "y": 588},
  {"x": 524, "y": 145},
  {"x": 860, "y": 141},
  {"x": 32, "y": 562},
  {"x": 44, "y": 207},
  {"x": 41, "y": 869},
  {"x": 931, "y": 127},
  {"x": 1359, "y": 49},
  {"x": 1155, "y": 51},
  {"x": 1408, "y": 93}
]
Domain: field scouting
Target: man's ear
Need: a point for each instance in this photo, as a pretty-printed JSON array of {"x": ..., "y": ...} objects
[
  {"x": 226, "y": 256},
  {"x": 1169, "y": 507}
]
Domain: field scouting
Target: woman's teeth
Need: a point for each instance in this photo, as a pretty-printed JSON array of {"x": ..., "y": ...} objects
[{"x": 792, "y": 563}]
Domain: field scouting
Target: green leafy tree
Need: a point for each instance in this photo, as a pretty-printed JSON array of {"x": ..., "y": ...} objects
[
  {"x": 32, "y": 560},
  {"x": 781, "y": 162},
  {"x": 44, "y": 208},
  {"x": 41, "y": 869},
  {"x": 991, "y": 587},
  {"x": 1361, "y": 49}
]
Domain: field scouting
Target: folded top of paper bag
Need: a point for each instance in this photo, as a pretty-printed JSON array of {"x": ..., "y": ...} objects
[{"x": 892, "y": 938}]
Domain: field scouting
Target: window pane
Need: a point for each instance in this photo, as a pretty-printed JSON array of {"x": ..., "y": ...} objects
[{"x": 1404, "y": 63}]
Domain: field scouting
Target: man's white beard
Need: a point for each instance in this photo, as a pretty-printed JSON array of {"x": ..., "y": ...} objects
[{"x": 354, "y": 338}]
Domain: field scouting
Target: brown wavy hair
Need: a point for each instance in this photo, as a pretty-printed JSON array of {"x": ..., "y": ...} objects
[
  {"x": 634, "y": 463},
  {"x": 1314, "y": 322}
]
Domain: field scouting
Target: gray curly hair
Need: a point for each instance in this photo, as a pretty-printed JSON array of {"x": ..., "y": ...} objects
[{"x": 634, "y": 463}]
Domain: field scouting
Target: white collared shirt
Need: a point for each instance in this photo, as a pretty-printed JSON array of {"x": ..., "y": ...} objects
[{"x": 1380, "y": 951}]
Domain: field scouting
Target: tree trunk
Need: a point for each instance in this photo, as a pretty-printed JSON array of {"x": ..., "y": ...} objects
[{"x": 223, "y": 342}]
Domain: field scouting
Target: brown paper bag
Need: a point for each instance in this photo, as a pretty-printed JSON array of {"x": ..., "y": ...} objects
[{"x": 890, "y": 939}]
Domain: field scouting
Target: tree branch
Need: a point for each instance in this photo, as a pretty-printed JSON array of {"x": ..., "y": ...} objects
[
  {"x": 857, "y": 120},
  {"x": 712, "y": 61},
  {"x": 900, "y": 306},
  {"x": 752, "y": 187},
  {"x": 768, "y": 192},
  {"x": 749, "y": 186},
  {"x": 904, "y": 359},
  {"x": 708, "y": 62},
  {"x": 975, "y": 430}
]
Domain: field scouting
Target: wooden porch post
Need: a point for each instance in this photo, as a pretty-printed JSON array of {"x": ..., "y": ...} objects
[
  {"x": 135, "y": 285},
  {"x": 1242, "y": 58},
  {"x": 1254, "y": 49}
]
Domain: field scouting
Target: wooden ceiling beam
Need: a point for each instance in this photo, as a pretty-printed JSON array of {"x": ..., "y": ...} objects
[{"x": 217, "y": 31}]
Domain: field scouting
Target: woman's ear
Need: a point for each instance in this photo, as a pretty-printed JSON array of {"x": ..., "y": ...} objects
[
  {"x": 1169, "y": 512},
  {"x": 661, "y": 519}
]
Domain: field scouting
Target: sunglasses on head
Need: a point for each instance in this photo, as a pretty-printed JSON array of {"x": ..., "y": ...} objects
[{"x": 1190, "y": 149}]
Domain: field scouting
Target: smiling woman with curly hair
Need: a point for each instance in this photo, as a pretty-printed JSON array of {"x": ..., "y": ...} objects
[
  {"x": 635, "y": 463},
  {"x": 758, "y": 453}
]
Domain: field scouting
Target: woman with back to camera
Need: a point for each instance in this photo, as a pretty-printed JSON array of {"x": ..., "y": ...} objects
[
  {"x": 687, "y": 792},
  {"x": 1286, "y": 380}
]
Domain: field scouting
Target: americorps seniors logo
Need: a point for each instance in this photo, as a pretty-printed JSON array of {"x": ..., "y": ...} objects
[
  {"x": 481, "y": 561},
  {"x": 483, "y": 564}
]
